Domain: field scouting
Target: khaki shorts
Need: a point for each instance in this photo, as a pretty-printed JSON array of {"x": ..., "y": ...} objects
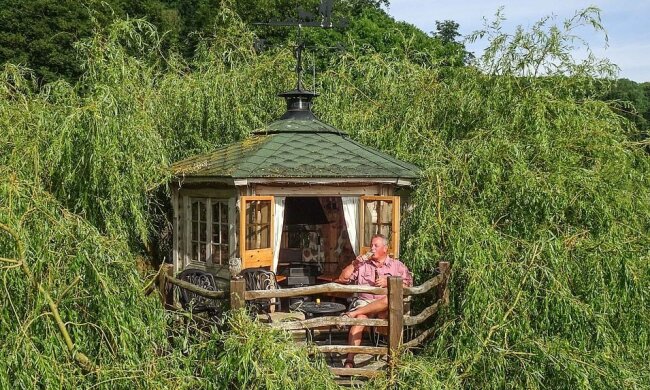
[{"x": 359, "y": 303}]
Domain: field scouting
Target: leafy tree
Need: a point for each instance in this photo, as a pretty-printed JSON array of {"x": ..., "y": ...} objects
[
  {"x": 629, "y": 99},
  {"x": 41, "y": 34}
]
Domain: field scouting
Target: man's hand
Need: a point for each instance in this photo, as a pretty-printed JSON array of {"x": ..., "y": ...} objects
[
  {"x": 382, "y": 282},
  {"x": 356, "y": 263}
]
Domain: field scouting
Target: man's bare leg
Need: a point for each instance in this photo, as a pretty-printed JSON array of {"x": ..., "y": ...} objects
[
  {"x": 379, "y": 307},
  {"x": 375, "y": 307},
  {"x": 354, "y": 338}
]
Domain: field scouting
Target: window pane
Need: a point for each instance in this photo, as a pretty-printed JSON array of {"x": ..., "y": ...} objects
[
  {"x": 258, "y": 227},
  {"x": 225, "y": 254},
  {"x": 195, "y": 251},
  {"x": 215, "y": 234},
  {"x": 370, "y": 221},
  {"x": 386, "y": 212},
  {"x": 195, "y": 211},
  {"x": 386, "y": 231},
  {"x": 215, "y": 212},
  {"x": 195, "y": 231},
  {"x": 264, "y": 211},
  {"x": 251, "y": 238},
  {"x": 202, "y": 252},
  {"x": 216, "y": 254},
  {"x": 202, "y": 211},
  {"x": 224, "y": 234},
  {"x": 203, "y": 231},
  {"x": 224, "y": 212},
  {"x": 378, "y": 218}
]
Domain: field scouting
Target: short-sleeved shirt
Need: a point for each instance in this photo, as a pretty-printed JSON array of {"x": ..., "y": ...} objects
[{"x": 368, "y": 271}]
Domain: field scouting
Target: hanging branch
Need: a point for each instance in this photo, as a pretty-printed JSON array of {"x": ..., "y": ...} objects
[{"x": 79, "y": 357}]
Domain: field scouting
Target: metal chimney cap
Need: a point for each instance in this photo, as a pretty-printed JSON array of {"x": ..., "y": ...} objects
[{"x": 299, "y": 102}]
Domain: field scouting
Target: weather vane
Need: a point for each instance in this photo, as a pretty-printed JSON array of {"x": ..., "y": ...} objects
[{"x": 305, "y": 19}]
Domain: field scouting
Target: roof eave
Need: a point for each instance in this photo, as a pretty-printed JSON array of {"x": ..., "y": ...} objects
[{"x": 398, "y": 181}]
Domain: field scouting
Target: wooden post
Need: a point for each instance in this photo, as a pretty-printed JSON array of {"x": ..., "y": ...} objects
[
  {"x": 237, "y": 290},
  {"x": 395, "y": 315},
  {"x": 165, "y": 270},
  {"x": 441, "y": 289}
]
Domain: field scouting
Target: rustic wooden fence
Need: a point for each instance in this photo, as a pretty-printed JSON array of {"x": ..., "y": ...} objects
[{"x": 395, "y": 323}]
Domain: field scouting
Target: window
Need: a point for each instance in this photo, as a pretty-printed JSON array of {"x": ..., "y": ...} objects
[
  {"x": 209, "y": 231},
  {"x": 258, "y": 224},
  {"x": 380, "y": 214}
]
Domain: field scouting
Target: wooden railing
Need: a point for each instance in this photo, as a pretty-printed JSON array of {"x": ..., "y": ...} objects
[{"x": 395, "y": 323}]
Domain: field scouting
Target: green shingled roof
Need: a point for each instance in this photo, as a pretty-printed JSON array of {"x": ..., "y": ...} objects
[{"x": 293, "y": 148}]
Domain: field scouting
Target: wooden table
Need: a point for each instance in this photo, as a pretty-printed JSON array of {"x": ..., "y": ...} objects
[{"x": 328, "y": 278}]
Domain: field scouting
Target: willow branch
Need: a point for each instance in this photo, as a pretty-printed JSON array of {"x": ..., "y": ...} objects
[{"x": 79, "y": 357}]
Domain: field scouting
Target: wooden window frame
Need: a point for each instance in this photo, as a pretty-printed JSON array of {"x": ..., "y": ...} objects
[
  {"x": 393, "y": 248},
  {"x": 209, "y": 202}
]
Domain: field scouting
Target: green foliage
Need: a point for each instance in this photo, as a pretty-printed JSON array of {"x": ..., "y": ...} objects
[
  {"x": 255, "y": 358},
  {"x": 41, "y": 34},
  {"x": 632, "y": 100},
  {"x": 531, "y": 188},
  {"x": 46, "y": 44},
  {"x": 94, "y": 281}
]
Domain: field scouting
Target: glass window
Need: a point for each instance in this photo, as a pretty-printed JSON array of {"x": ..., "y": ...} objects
[
  {"x": 209, "y": 236},
  {"x": 258, "y": 224},
  {"x": 378, "y": 218},
  {"x": 199, "y": 227}
]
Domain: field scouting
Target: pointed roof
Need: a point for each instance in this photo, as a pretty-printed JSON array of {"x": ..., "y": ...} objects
[{"x": 296, "y": 146}]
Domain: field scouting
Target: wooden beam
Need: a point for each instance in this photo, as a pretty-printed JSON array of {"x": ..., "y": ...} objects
[
  {"x": 424, "y": 314},
  {"x": 442, "y": 290},
  {"x": 176, "y": 230},
  {"x": 343, "y": 349},
  {"x": 355, "y": 372},
  {"x": 395, "y": 315},
  {"x": 316, "y": 190},
  {"x": 196, "y": 289},
  {"x": 328, "y": 321},
  {"x": 166, "y": 270},
  {"x": 424, "y": 287},
  {"x": 311, "y": 290},
  {"x": 237, "y": 291},
  {"x": 418, "y": 340}
]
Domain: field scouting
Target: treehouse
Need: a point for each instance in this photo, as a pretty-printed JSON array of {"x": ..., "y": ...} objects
[{"x": 298, "y": 197}]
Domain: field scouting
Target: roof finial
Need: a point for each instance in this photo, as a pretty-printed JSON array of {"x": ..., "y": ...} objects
[
  {"x": 298, "y": 52},
  {"x": 299, "y": 101}
]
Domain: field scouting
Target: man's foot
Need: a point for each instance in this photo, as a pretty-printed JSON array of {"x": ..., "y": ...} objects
[
  {"x": 343, "y": 315},
  {"x": 349, "y": 363}
]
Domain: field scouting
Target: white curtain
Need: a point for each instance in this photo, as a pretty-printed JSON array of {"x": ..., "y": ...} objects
[
  {"x": 351, "y": 213},
  {"x": 278, "y": 221}
]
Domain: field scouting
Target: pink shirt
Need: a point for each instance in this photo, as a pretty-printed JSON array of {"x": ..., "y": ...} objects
[{"x": 366, "y": 274}]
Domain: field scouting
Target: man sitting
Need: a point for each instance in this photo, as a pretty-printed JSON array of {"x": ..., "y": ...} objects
[{"x": 371, "y": 272}]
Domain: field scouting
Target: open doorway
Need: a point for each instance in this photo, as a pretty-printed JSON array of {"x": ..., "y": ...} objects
[{"x": 314, "y": 236}]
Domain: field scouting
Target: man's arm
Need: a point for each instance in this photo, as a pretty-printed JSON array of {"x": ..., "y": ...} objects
[{"x": 347, "y": 273}]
